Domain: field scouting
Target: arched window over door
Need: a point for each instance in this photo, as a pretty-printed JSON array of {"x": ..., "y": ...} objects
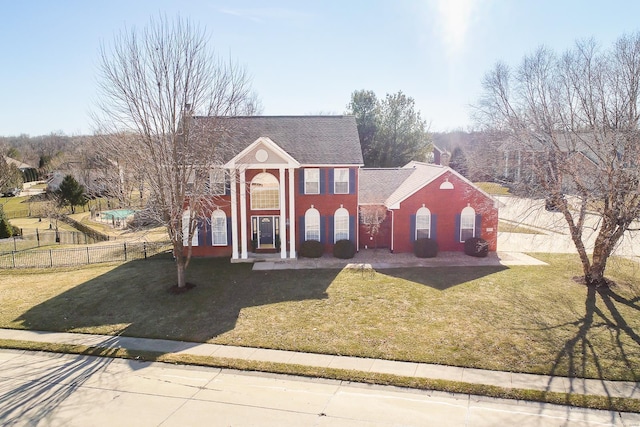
[{"x": 265, "y": 192}]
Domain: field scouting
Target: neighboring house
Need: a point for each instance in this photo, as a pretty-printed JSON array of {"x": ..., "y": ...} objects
[
  {"x": 288, "y": 179},
  {"x": 54, "y": 179},
  {"x": 427, "y": 200},
  {"x": 29, "y": 173}
]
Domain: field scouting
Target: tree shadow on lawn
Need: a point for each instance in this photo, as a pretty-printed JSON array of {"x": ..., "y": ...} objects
[
  {"x": 441, "y": 278},
  {"x": 604, "y": 333},
  {"x": 134, "y": 299}
]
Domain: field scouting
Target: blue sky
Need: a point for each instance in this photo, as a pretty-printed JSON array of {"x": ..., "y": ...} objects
[{"x": 305, "y": 57}]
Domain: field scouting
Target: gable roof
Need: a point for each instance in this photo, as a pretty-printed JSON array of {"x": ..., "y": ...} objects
[
  {"x": 311, "y": 140},
  {"x": 18, "y": 163},
  {"x": 390, "y": 187}
]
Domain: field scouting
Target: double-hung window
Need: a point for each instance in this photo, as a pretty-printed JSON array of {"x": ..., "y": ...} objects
[
  {"x": 216, "y": 181},
  {"x": 423, "y": 223},
  {"x": 341, "y": 181},
  {"x": 341, "y": 225},
  {"x": 311, "y": 181},
  {"x": 467, "y": 223},
  {"x": 312, "y": 224},
  {"x": 218, "y": 228}
]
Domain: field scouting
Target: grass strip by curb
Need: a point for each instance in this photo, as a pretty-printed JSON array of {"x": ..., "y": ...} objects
[{"x": 619, "y": 404}]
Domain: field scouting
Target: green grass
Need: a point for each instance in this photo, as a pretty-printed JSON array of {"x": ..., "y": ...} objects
[
  {"x": 510, "y": 227},
  {"x": 524, "y": 319},
  {"x": 493, "y": 188},
  {"x": 579, "y": 400}
]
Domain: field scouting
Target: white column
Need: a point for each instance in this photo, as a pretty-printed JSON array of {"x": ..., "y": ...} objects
[
  {"x": 283, "y": 217},
  {"x": 292, "y": 215},
  {"x": 234, "y": 214},
  {"x": 243, "y": 215}
]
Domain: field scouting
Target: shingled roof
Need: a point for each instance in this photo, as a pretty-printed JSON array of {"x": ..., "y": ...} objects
[
  {"x": 311, "y": 140},
  {"x": 391, "y": 186},
  {"x": 375, "y": 186}
]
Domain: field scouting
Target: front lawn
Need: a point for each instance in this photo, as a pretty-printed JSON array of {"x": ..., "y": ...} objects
[{"x": 526, "y": 319}]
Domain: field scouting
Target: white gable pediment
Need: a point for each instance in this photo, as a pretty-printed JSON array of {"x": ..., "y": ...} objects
[{"x": 263, "y": 153}]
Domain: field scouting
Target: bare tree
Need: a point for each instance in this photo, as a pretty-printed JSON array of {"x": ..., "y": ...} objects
[
  {"x": 372, "y": 217},
  {"x": 573, "y": 119},
  {"x": 152, "y": 81}
]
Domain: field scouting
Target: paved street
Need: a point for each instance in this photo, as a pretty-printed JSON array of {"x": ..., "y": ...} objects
[{"x": 68, "y": 390}]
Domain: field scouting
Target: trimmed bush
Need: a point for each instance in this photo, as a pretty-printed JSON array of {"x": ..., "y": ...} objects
[
  {"x": 344, "y": 249},
  {"x": 477, "y": 247},
  {"x": 425, "y": 248},
  {"x": 311, "y": 249}
]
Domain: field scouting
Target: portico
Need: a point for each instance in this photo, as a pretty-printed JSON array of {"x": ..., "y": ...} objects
[{"x": 261, "y": 177}]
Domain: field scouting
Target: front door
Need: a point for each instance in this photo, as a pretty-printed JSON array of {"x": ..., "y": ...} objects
[{"x": 265, "y": 232}]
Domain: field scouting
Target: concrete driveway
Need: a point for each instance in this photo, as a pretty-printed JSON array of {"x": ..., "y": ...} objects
[
  {"x": 73, "y": 390},
  {"x": 554, "y": 234}
]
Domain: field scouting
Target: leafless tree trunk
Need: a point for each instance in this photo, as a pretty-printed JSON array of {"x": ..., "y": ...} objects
[
  {"x": 574, "y": 119},
  {"x": 152, "y": 81}
]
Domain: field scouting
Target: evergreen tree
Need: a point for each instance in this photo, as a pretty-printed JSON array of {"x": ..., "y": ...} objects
[
  {"x": 458, "y": 161},
  {"x": 71, "y": 193},
  {"x": 5, "y": 228}
]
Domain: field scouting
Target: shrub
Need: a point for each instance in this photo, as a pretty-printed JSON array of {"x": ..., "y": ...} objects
[
  {"x": 5, "y": 229},
  {"x": 311, "y": 249},
  {"x": 344, "y": 249},
  {"x": 477, "y": 247},
  {"x": 425, "y": 248}
]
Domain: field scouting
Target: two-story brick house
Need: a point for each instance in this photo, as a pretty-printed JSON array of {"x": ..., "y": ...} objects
[{"x": 287, "y": 179}]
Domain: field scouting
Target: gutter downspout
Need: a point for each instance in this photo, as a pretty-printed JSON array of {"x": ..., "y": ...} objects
[{"x": 393, "y": 231}]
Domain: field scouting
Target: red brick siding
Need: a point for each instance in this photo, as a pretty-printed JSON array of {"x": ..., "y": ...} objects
[{"x": 445, "y": 205}]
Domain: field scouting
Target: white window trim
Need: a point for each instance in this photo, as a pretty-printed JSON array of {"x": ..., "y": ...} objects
[
  {"x": 276, "y": 206},
  {"x": 186, "y": 216},
  {"x": 219, "y": 214},
  {"x": 340, "y": 213},
  {"x": 217, "y": 181},
  {"x": 423, "y": 212},
  {"x": 306, "y": 180},
  {"x": 308, "y": 215},
  {"x": 335, "y": 180},
  {"x": 470, "y": 213}
]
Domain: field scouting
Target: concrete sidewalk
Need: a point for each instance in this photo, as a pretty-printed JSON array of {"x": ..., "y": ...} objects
[
  {"x": 408, "y": 369},
  {"x": 381, "y": 259}
]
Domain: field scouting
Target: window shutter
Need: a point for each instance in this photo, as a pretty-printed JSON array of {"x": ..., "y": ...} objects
[
  {"x": 478, "y": 228},
  {"x": 301, "y": 180},
  {"x": 201, "y": 236},
  {"x": 323, "y": 229},
  {"x": 434, "y": 227},
  {"x": 302, "y": 230},
  {"x": 330, "y": 191},
  {"x": 227, "y": 185},
  {"x": 323, "y": 183},
  {"x": 457, "y": 228},
  {"x": 352, "y": 181},
  {"x": 412, "y": 237},
  {"x": 331, "y": 221},
  {"x": 229, "y": 231},
  {"x": 207, "y": 240},
  {"x": 352, "y": 229}
]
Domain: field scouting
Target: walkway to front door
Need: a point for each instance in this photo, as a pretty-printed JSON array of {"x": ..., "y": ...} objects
[{"x": 265, "y": 230}]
